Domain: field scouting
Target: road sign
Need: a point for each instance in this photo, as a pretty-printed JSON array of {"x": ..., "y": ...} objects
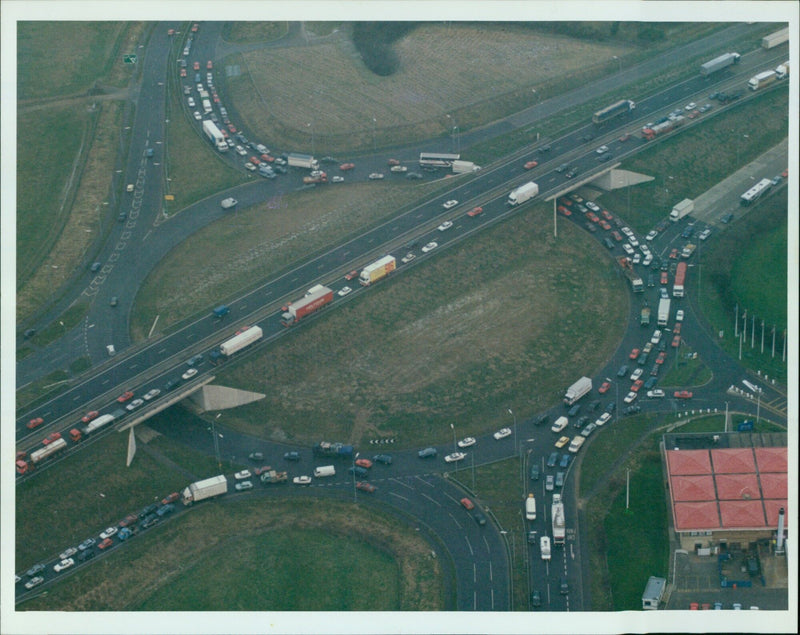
[{"x": 129, "y": 59}]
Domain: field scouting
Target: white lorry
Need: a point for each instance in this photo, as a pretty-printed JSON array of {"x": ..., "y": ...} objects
[
  {"x": 530, "y": 507},
  {"x": 464, "y": 167},
  {"x": 718, "y": 63},
  {"x": 663, "y": 311},
  {"x": 214, "y": 135},
  {"x": 577, "y": 390},
  {"x": 782, "y": 71},
  {"x": 324, "y": 470},
  {"x": 296, "y": 160},
  {"x": 208, "y": 488},
  {"x": 523, "y": 193},
  {"x": 761, "y": 80},
  {"x": 686, "y": 206},
  {"x": 240, "y": 341}
]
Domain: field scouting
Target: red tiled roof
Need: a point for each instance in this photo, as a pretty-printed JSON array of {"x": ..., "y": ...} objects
[
  {"x": 774, "y": 485},
  {"x": 742, "y": 514},
  {"x": 772, "y": 459},
  {"x": 733, "y": 460},
  {"x": 696, "y": 516},
  {"x": 688, "y": 462},
  {"x": 737, "y": 486},
  {"x": 693, "y": 488}
]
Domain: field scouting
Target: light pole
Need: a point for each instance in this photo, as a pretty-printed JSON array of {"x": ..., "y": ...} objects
[
  {"x": 355, "y": 456},
  {"x": 452, "y": 427},
  {"x": 311, "y": 125},
  {"x": 515, "y": 429},
  {"x": 374, "y": 144},
  {"x": 726, "y": 416},
  {"x": 619, "y": 62},
  {"x": 216, "y": 439}
]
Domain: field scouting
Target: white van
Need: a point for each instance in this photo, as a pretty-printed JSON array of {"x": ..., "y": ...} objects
[{"x": 324, "y": 470}]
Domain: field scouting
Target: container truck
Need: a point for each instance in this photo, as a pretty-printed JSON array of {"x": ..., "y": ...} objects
[
  {"x": 523, "y": 193},
  {"x": 614, "y": 110},
  {"x": 663, "y": 311},
  {"x": 51, "y": 448},
  {"x": 338, "y": 450},
  {"x": 208, "y": 488},
  {"x": 637, "y": 285},
  {"x": 761, "y": 80},
  {"x": 530, "y": 507},
  {"x": 377, "y": 270},
  {"x": 680, "y": 279},
  {"x": 96, "y": 424},
  {"x": 312, "y": 301},
  {"x": 464, "y": 167},
  {"x": 296, "y": 160},
  {"x": 577, "y": 390},
  {"x": 651, "y": 132},
  {"x": 215, "y": 136},
  {"x": 644, "y": 319},
  {"x": 782, "y": 71},
  {"x": 718, "y": 63},
  {"x": 272, "y": 476},
  {"x": 686, "y": 206},
  {"x": 544, "y": 547},
  {"x": 243, "y": 340},
  {"x": 775, "y": 39},
  {"x": 559, "y": 524}
]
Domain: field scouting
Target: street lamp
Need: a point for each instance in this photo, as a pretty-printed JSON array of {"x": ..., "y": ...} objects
[
  {"x": 726, "y": 416},
  {"x": 311, "y": 125},
  {"x": 515, "y": 428},
  {"x": 454, "y": 437},
  {"x": 374, "y": 144},
  {"x": 619, "y": 62},
  {"x": 355, "y": 456}
]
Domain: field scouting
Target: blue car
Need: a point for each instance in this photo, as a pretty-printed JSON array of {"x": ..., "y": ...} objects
[
  {"x": 565, "y": 459},
  {"x": 552, "y": 459}
]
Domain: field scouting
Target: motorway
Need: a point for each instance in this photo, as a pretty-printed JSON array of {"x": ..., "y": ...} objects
[{"x": 479, "y": 553}]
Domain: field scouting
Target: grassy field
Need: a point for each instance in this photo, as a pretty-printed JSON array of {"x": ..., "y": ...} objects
[{"x": 429, "y": 352}]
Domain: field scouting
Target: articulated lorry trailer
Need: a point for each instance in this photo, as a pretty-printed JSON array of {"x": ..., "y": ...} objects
[
  {"x": 202, "y": 490},
  {"x": 577, "y": 390},
  {"x": 663, "y": 311},
  {"x": 243, "y": 340},
  {"x": 464, "y": 167},
  {"x": 316, "y": 298},
  {"x": 614, "y": 110},
  {"x": 215, "y": 136},
  {"x": 718, "y": 63},
  {"x": 296, "y": 160},
  {"x": 761, "y": 80},
  {"x": 523, "y": 193},
  {"x": 377, "y": 270},
  {"x": 559, "y": 523}
]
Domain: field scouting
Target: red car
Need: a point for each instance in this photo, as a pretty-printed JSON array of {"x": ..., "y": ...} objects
[
  {"x": 196, "y": 66},
  {"x": 255, "y": 160},
  {"x": 661, "y": 357},
  {"x": 676, "y": 330},
  {"x": 636, "y": 385},
  {"x": 676, "y": 341},
  {"x": 347, "y": 166},
  {"x": 664, "y": 277},
  {"x": 267, "y": 158},
  {"x": 195, "y": 27},
  {"x": 467, "y": 503},
  {"x": 607, "y": 215},
  {"x": 128, "y": 394},
  {"x": 593, "y": 217},
  {"x": 564, "y": 210},
  {"x": 35, "y": 423},
  {"x": 673, "y": 254},
  {"x": 364, "y": 463},
  {"x": 604, "y": 387},
  {"x": 260, "y": 470},
  {"x": 604, "y": 224},
  {"x": 105, "y": 544},
  {"x": 170, "y": 499},
  {"x": 475, "y": 211},
  {"x": 89, "y": 416},
  {"x": 683, "y": 394},
  {"x": 634, "y": 353},
  {"x": 616, "y": 236},
  {"x": 51, "y": 437},
  {"x": 352, "y": 275},
  {"x": 183, "y": 72},
  {"x": 624, "y": 137},
  {"x": 394, "y": 162},
  {"x": 232, "y": 128},
  {"x": 365, "y": 487},
  {"x": 530, "y": 165},
  {"x": 209, "y": 65},
  {"x": 130, "y": 519},
  {"x": 565, "y": 201}
]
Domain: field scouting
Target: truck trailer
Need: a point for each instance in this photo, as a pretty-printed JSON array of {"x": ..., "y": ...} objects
[
  {"x": 761, "y": 80},
  {"x": 316, "y": 298},
  {"x": 243, "y": 340},
  {"x": 614, "y": 110},
  {"x": 530, "y": 507},
  {"x": 637, "y": 284},
  {"x": 214, "y": 135},
  {"x": 377, "y": 270},
  {"x": 523, "y": 193},
  {"x": 663, "y": 311},
  {"x": 296, "y": 160},
  {"x": 559, "y": 524},
  {"x": 208, "y": 488},
  {"x": 96, "y": 424},
  {"x": 718, "y": 63},
  {"x": 680, "y": 280},
  {"x": 577, "y": 390},
  {"x": 686, "y": 206},
  {"x": 775, "y": 39},
  {"x": 650, "y": 133},
  {"x": 464, "y": 167}
]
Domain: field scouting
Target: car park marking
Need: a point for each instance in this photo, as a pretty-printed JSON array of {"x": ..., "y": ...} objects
[
  {"x": 434, "y": 501},
  {"x": 398, "y": 496},
  {"x": 469, "y": 544}
]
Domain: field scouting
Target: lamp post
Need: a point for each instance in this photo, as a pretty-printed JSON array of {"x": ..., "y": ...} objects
[
  {"x": 374, "y": 144},
  {"x": 452, "y": 427},
  {"x": 726, "y": 416},
  {"x": 619, "y": 62},
  {"x": 515, "y": 429},
  {"x": 311, "y": 125},
  {"x": 355, "y": 456}
]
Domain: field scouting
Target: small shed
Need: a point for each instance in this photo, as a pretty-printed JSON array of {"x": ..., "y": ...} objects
[{"x": 653, "y": 593}]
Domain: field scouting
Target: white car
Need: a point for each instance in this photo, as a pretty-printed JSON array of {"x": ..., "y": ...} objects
[
  {"x": 107, "y": 533},
  {"x": 66, "y": 563},
  {"x": 450, "y": 204},
  {"x": 628, "y": 249},
  {"x": 679, "y": 315},
  {"x": 603, "y": 419},
  {"x": 407, "y": 258},
  {"x": 502, "y": 433},
  {"x": 704, "y": 234},
  {"x": 244, "y": 485},
  {"x": 189, "y": 373},
  {"x": 576, "y": 444},
  {"x": 133, "y": 405},
  {"x": 690, "y": 106},
  {"x": 337, "y": 179},
  {"x": 455, "y": 456},
  {"x": 190, "y": 101},
  {"x": 636, "y": 374},
  {"x": 632, "y": 240},
  {"x": 302, "y": 480},
  {"x": 602, "y": 150},
  {"x": 647, "y": 260},
  {"x": 445, "y": 225},
  {"x": 343, "y": 291},
  {"x": 593, "y": 206},
  {"x": 244, "y": 474},
  {"x": 626, "y": 230},
  {"x": 466, "y": 442},
  {"x": 227, "y": 203},
  {"x": 34, "y": 582},
  {"x": 375, "y": 176},
  {"x": 241, "y": 151},
  {"x": 655, "y": 394},
  {"x": 651, "y": 235},
  {"x": 637, "y": 258},
  {"x": 656, "y": 337},
  {"x": 250, "y": 166},
  {"x": 398, "y": 168},
  {"x": 197, "y": 115},
  {"x": 430, "y": 247},
  {"x": 630, "y": 397},
  {"x": 68, "y": 553},
  {"x": 150, "y": 394}
]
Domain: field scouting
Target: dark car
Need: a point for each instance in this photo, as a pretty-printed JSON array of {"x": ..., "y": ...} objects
[
  {"x": 531, "y": 537},
  {"x": 623, "y": 370},
  {"x": 541, "y": 420},
  {"x": 535, "y": 472},
  {"x": 552, "y": 459},
  {"x": 256, "y": 456},
  {"x": 559, "y": 479},
  {"x": 171, "y": 384},
  {"x": 594, "y": 405},
  {"x": 386, "y": 459},
  {"x": 86, "y": 555},
  {"x": 291, "y": 456},
  {"x": 166, "y": 509},
  {"x": 563, "y": 586},
  {"x": 147, "y": 511},
  {"x": 149, "y": 521},
  {"x": 34, "y": 570},
  {"x": 565, "y": 459},
  {"x": 580, "y": 422},
  {"x": 536, "y": 598},
  {"x": 611, "y": 407},
  {"x": 479, "y": 518},
  {"x": 427, "y": 453},
  {"x": 573, "y": 412},
  {"x": 360, "y": 472}
]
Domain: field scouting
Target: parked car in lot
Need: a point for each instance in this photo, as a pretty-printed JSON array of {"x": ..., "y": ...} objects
[
  {"x": 467, "y": 442},
  {"x": 427, "y": 453},
  {"x": 630, "y": 397},
  {"x": 364, "y": 486},
  {"x": 302, "y": 480},
  {"x": 655, "y": 394},
  {"x": 502, "y": 433},
  {"x": 604, "y": 387},
  {"x": 386, "y": 459},
  {"x": 455, "y": 456}
]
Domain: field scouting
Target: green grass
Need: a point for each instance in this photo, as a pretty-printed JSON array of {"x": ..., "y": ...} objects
[{"x": 683, "y": 372}]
